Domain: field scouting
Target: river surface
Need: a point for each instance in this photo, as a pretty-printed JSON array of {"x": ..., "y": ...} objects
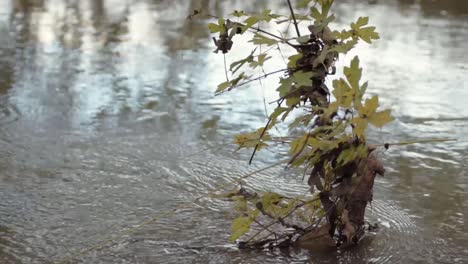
[{"x": 105, "y": 106}]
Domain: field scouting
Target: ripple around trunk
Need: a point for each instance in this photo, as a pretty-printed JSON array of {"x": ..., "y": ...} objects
[{"x": 102, "y": 103}]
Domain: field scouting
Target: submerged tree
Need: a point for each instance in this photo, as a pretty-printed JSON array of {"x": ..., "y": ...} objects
[{"x": 332, "y": 149}]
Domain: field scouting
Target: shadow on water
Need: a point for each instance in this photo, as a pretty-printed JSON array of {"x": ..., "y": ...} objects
[{"x": 101, "y": 100}]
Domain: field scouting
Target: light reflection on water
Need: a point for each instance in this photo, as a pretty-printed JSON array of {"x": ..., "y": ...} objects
[{"x": 99, "y": 100}]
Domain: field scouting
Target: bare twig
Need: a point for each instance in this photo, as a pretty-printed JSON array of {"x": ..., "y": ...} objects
[
  {"x": 261, "y": 135},
  {"x": 252, "y": 80},
  {"x": 225, "y": 68},
  {"x": 422, "y": 141},
  {"x": 257, "y": 29},
  {"x": 278, "y": 221},
  {"x": 294, "y": 18}
]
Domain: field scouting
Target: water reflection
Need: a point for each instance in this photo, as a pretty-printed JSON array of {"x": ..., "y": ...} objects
[
  {"x": 99, "y": 100},
  {"x": 438, "y": 7}
]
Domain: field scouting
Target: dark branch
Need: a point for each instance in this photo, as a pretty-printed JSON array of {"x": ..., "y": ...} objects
[
  {"x": 294, "y": 18},
  {"x": 263, "y": 133}
]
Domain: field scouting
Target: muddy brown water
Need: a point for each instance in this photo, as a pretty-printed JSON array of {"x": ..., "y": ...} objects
[{"x": 102, "y": 104}]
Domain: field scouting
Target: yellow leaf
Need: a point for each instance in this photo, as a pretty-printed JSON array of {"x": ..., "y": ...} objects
[
  {"x": 250, "y": 140},
  {"x": 268, "y": 200},
  {"x": 353, "y": 73},
  {"x": 369, "y": 107},
  {"x": 360, "y": 126},
  {"x": 297, "y": 145},
  {"x": 381, "y": 118},
  {"x": 273, "y": 203},
  {"x": 343, "y": 93},
  {"x": 241, "y": 225},
  {"x": 241, "y": 203}
]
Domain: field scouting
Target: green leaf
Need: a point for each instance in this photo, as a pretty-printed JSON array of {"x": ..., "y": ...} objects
[
  {"x": 220, "y": 27},
  {"x": 365, "y": 33},
  {"x": 297, "y": 145},
  {"x": 322, "y": 144},
  {"x": 292, "y": 101},
  {"x": 362, "y": 21},
  {"x": 343, "y": 35},
  {"x": 238, "y": 13},
  {"x": 277, "y": 112},
  {"x": 321, "y": 17},
  {"x": 223, "y": 86},
  {"x": 314, "y": 13},
  {"x": 352, "y": 153},
  {"x": 303, "y": 3},
  {"x": 368, "y": 34},
  {"x": 231, "y": 84},
  {"x": 326, "y": 5},
  {"x": 260, "y": 60},
  {"x": 299, "y": 18},
  {"x": 236, "y": 80},
  {"x": 362, "y": 151},
  {"x": 235, "y": 66},
  {"x": 304, "y": 119},
  {"x": 299, "y": 161},
  {"x": 345, "y": 46},
  {"x": 303, "y": 78},
  {"x": 266, "y": 16},
  {"x": 303, "y": 39},
  {"x": 293, "y": 60},
  {"x": 292, "y": 86},
  {"x": 346, "y": 156},
  {"x": 285, "y": 115},
  {"x": 285, "y": 86},
  {"x": 259, "y": 39},
  {"x": 249, "y": 22},
  {"x": 326, "y": 21}
]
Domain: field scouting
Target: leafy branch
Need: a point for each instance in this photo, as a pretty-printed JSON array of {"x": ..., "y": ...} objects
[{"x": 333, "y": 147}]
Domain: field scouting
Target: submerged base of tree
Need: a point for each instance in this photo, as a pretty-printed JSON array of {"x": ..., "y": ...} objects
[{"x": 346, "y": 205}]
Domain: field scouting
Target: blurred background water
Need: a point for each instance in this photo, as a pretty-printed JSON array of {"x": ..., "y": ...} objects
[{"x": 101, "y": 100}]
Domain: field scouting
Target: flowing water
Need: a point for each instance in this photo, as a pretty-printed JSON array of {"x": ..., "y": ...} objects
[{"x": 103, "y": 103}]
